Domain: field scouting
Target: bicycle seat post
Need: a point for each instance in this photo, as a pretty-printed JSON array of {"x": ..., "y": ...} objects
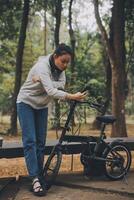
[
  {"x": 100, "y": 140},
  {"x": 102, "y": 133}
]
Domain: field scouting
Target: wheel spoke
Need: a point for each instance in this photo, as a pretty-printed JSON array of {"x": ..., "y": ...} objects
[
  {"x": 51, "y": 169},
  {"x": 118, "y": 161},
  {"x": 52, "y": 166}
]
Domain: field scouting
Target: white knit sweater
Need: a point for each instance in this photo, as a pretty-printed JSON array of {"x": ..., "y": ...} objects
[{"x": 40, "y": 87}]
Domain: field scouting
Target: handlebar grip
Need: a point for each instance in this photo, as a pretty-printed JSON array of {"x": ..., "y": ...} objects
[
  {"x": 87, "y": 88},
  {"x": 96, "y": 105}
]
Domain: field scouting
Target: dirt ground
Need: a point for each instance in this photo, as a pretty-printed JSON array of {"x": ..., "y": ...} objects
[
  {"x": 64, "y": 193},
  {"x": 95, "y": 189},
  {"x": 16, "y": 167}
]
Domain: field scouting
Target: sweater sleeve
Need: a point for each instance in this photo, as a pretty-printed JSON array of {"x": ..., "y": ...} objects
[{"x": 50, "y": 86}]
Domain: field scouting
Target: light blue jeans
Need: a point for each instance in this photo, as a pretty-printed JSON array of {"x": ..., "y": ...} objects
[{"x": 33, "y": 123}]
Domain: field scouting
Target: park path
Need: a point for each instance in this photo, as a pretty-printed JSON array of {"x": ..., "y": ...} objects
[{"x": 74, "y": 186}]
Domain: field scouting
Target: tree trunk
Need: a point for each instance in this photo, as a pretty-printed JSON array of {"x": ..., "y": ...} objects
[
  {"x": 96, "y": 124},
  {"x": 108, "y": 77},
  {"x": 118, "y": 71},
  {"x": 72, "y": 40},
  {"x": 116, "y": 54},
  {"x": 45, "y": 28},
  {"x": 58, "y": 9},
  {"x": 18, "y": 74}
]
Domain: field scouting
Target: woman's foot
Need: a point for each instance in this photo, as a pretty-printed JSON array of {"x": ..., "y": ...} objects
[
  {"x": 44, "y": 184},
  {"x": 37, "y": 188}
]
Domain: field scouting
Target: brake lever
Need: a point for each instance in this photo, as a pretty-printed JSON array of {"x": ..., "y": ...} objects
[{"x": 98, "y": 107}]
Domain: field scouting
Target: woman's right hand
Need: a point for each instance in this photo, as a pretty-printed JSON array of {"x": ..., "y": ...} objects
[{"x": 77, "y": 96}]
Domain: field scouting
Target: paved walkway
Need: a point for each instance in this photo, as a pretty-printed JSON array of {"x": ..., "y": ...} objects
[{"x": 74, "y": 186}]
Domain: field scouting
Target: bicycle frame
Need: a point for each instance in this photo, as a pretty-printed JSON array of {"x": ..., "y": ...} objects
[
  {"x": 69, "y": 117},
  {"x": 72, "y": 108},
  {"x": 58, "y": 146}
]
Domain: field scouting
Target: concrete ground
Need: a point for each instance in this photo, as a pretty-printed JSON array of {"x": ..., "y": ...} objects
[{"x": 74, "y": 186}]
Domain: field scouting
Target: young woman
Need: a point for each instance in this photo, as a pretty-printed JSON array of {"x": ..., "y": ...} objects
[{"x": 42, "y": 84}]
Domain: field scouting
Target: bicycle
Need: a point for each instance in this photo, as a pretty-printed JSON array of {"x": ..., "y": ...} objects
[{"x": 113, "y": 158}]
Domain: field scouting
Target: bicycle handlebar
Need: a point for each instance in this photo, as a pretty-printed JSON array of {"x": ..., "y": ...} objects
[{"x": 96, "y": 106}]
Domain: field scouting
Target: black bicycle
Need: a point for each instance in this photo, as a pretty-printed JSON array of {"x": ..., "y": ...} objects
[{"x": 113, "y": 159}]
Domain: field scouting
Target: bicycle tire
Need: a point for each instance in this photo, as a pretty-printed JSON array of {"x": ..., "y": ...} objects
[
  {"x": 118, "y": 161},
  {"x": 52, "y": 167}
]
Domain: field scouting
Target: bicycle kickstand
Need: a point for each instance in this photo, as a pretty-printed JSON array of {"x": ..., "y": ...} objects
[{"x": 125, "y": 179}]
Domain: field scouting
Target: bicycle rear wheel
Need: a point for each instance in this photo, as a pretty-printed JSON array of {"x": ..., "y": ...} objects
[
  {"x": 118, "y": 161},
  {"x": 52, "y": 167}
]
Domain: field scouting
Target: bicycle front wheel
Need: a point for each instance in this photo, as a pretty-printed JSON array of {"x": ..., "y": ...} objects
[
  {"x": 118, "y": 161},
  {"x": 52, "y": 167}
]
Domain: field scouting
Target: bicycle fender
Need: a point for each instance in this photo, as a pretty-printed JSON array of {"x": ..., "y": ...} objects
[{"x": 115, "y": 142}]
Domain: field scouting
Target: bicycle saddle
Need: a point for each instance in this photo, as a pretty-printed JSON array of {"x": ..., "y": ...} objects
[{"x": 107, "y": 119}]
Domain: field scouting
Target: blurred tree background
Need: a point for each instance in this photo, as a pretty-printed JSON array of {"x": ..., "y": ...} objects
[{"x": 31, "y": 28}]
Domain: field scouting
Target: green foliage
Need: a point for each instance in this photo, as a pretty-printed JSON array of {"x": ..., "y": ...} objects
[
  {"x": 7, "y": 56},
  {"x": 11, "y": 11},
  {"x": 6, "y": 93},
  {"x": 129, "y": 107},
  {"x": 89, "y": 69},
  {"x": 7, "y": 75},
  {"x": 10, "y": 15},
  {"x": 96, "y": 88},
  {"x": 34, "y": 44}
]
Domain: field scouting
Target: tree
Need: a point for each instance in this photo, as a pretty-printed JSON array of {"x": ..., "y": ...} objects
[
  {"x": 72, "y": 40},
  {"x": 57, "y": 14},
  {"x": 45, "y": 27},
  {"x": 19, "y": 57},
  {"x": 129, "y": 16},
  {"x": 9, "y": 19},
  {"x": 116, "y": 54}
]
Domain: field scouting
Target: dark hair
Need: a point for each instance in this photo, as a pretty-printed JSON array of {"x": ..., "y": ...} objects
[{"x": 63, "y": 49}]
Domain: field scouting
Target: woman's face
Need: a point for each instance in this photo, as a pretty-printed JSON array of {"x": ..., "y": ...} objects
[{"x": 62, "y": 61}]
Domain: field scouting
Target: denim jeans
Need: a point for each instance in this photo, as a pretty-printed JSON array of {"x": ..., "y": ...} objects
[{"x": 33, "y": 123}]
